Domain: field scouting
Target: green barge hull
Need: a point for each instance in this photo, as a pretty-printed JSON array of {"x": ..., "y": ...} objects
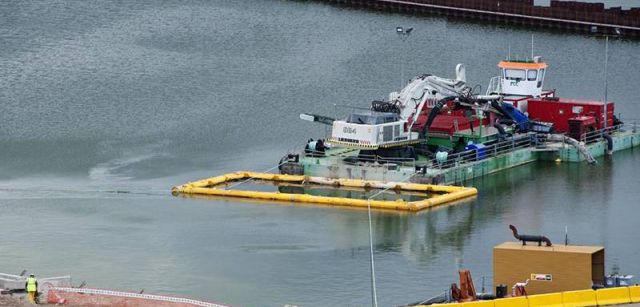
[{"x": 333, "y": 165}]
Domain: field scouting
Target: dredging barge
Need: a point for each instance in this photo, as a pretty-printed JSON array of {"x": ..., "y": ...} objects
[{"x": 439, "y": 131}]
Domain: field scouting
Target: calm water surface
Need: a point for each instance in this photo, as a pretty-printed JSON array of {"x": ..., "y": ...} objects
[{"x": 106, "y": 105}]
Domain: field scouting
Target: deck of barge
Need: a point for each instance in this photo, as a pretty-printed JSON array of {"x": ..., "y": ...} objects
[{"x": 458, "y": 169}]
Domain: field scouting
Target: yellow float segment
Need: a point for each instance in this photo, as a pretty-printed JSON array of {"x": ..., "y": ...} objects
[
  {"x": 546, "y": 300},
  {"x": 479, "y": 304},
  {"x": 634, "y": 294},
  {"x": 207, "y": 187},
  {"x": 613, "y": 296},
  {"x": 579, "y": 298},
  {"x": 520, "y": 301}
]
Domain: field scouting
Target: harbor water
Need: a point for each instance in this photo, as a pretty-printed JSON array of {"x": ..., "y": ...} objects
[{"x": 107, "y": 105}]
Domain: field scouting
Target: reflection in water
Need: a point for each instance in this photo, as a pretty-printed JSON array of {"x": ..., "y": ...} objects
[
  {"x": 449, "y": 227},
  {"x": 326, "y": 190}
]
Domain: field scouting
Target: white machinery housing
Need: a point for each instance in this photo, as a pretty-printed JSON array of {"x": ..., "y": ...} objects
[{"x": 372, "y": 129}]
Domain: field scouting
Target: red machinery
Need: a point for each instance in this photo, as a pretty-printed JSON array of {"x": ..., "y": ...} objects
[
  {"x": 467, "y": 291},
  {"x": 560, "y": 111},
  {"x": 449, "y": 121},
  {"x": 581, "y": 125}
]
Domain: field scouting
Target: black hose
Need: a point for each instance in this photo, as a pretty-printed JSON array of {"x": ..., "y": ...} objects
[
  {"x": 433, "y": 113},
  {"x": 500, "y": 129},
  {"x": 385, "y": 106},
  {"x": 607, "y": 137},
  {"x": 496, "y": 105}
]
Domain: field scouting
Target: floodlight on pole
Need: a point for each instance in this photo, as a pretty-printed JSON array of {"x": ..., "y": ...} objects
[{"x": 403, "y": 33}]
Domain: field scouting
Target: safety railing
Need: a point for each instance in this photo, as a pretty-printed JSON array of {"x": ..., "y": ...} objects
[
  {"x": 137, "y": 296},
  {"x": 495, "y": 86},
  {"x": 596, "y": 135},
  {"x": 453, "y": 160},
  {"x": 382, "y": 160},
  {"x": 360, "y": 158},
  {"x": 486, "y": 152}
]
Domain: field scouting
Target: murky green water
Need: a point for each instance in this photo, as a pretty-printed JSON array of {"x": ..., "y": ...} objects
[{"x": 106, "y": 105}]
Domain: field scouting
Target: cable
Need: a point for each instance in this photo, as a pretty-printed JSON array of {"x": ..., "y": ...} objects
[
  {"x": 253, "y": 177},
  {"x": 374, "y": 295}
]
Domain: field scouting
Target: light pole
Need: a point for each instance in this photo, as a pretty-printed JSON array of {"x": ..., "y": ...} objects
[
  {"x": 403, "y": 34},
  {"x": 606, "y": 87},
  {"x": 606, "y": 83}
]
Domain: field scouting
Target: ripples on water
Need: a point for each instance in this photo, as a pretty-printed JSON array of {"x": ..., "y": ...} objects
[{"x": 106, "y": 105}]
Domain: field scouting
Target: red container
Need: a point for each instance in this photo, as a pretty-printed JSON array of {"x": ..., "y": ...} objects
[
  {"x": 448, "y": 122},
  {"x": 580, "y": 126},
  {"x": 559, "y": 111}
]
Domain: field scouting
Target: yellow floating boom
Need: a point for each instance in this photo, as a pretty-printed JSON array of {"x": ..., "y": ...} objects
[
  {"x": 618, "y": 296},
  {"x": 208, "y": 187}
]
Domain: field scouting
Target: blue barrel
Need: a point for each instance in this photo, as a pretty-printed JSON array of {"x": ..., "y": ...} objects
[{"x": 480, "y": 150}]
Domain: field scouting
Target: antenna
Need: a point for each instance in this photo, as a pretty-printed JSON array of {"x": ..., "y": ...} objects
[
  {"x": 483, "y": 290},
  {"x": 509, "y": 56},
  {"x": 531, "y": 46}
]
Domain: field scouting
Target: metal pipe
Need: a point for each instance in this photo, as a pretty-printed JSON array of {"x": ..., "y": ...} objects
[{"x": 529, "y": 238}]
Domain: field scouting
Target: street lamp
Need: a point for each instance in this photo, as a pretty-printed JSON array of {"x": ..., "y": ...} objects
[
  {"x": 403, "y": 33},
  {"x": 606, "y": 83}
]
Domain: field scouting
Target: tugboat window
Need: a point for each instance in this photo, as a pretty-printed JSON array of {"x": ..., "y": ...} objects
[
  {"x": 540, "y": 77},
  {"x": 515, "y": 74},
  {"x": 532, "y": 75}
]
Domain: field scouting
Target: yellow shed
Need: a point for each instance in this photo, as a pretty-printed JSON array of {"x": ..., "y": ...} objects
[{"x": 548, "y": 269}]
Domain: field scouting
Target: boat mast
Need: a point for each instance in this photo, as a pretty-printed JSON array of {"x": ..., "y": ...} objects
[{"x": 532, "y": 47}]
